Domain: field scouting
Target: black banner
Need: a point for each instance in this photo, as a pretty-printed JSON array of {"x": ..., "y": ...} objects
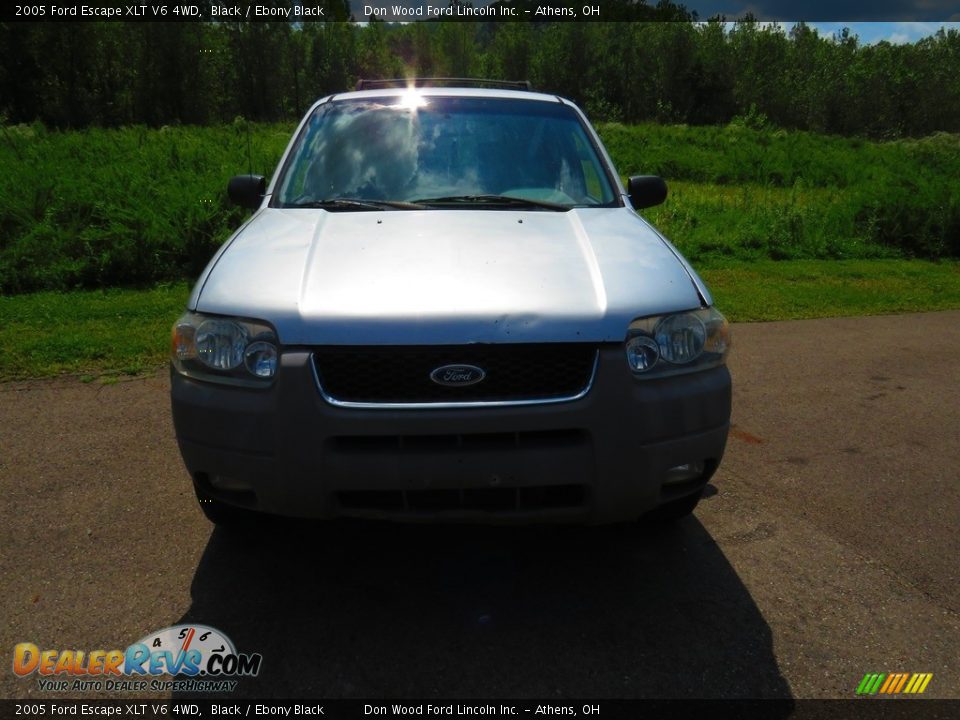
[
  {"x": 303, "y": 11},
  {"x": 203, "y": 709}
]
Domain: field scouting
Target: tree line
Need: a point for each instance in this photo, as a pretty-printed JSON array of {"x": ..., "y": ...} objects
[{"x": 74, "y": 75}]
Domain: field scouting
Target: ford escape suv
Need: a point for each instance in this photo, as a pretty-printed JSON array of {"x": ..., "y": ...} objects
[{"x": 446, "y": 307}]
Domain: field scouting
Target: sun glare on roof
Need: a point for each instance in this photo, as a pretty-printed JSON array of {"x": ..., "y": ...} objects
[{"x": 411, "y": 99}]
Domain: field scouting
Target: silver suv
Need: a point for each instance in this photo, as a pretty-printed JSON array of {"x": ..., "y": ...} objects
[{"x": 445, "y": 306}]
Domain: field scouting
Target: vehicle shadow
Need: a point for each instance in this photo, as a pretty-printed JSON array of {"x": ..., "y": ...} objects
[{"x": 383, "y": 610}]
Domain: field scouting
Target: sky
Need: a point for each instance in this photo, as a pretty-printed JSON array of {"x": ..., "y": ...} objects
[
  {"x": 894, "y": 32},
  {"x": 832, "y": 10}
]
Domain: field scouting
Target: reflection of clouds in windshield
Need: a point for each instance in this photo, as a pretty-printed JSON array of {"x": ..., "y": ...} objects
[
  {"x": 431, "y": 184},
  {"x": 570, "y": 183},
  {"x": 375, "y": 150},
  {"x": 365, "y": 154}
]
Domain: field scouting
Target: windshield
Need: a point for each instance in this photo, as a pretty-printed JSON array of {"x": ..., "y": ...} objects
[{"x": 444, "y": 152}]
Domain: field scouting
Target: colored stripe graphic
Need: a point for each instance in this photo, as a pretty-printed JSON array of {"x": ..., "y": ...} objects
[
  {"x": 903, "y": 680},
  {"x": 918, "y": 683},
  {"x": 894, "y": 683},
  {"x": 870, "y": 683}
]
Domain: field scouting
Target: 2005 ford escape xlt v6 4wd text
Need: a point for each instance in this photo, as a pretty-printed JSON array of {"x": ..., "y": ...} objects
[{"x": 445, "y": 307}]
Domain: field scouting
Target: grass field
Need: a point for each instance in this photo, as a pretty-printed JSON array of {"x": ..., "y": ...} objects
[
  {"x": 781, "y": 225},
  {"x": 134, "y": 206},
  {"x": 746, "y": 194},
  {"x": 103, "y": 335},
  {"x": 137, "y": 206}
]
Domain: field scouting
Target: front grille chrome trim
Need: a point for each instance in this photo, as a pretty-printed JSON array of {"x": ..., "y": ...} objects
[{"x": 446, "y": 405}]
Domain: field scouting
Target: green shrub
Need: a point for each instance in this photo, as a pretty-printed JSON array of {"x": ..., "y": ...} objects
[{"x": 100, "y": 208}]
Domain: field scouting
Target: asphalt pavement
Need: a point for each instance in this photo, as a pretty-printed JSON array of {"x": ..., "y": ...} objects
[{"x": 826, "y": 548}]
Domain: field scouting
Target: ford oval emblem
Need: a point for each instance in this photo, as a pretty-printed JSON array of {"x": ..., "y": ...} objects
[{"x": 457, "y": 375}]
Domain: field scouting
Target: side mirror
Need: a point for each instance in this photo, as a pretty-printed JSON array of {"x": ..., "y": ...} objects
[
  {"x": 646, "y": 191},
  {"x": 247, "y": 190}
]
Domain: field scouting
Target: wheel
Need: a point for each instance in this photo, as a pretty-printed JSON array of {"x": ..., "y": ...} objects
[
  {"x": 227, "y": 516},
  {"x": 673, "y": 511}
]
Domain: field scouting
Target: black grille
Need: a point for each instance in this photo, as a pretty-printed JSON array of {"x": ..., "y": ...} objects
[
  {"x": 492, "y": 500},
  {"x": 392, "y": 444},
  {"x": 402, "y": 374}
]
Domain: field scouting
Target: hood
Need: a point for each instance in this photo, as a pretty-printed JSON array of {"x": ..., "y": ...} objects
[{"x": 446, "y": 276}]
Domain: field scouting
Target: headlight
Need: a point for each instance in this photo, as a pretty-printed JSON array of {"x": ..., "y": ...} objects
[
  {"x": 680, "y": 337},
  {"x": 642, "y": 353},
  {"x": 261, "y": 359},
  {"x": 228, "y": 350},
  {"x": 220, "y": 343},
  {"x": 678, "y": 343}
]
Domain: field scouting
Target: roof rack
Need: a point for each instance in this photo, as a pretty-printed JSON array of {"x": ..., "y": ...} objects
[{"x": 443, "y": 82}]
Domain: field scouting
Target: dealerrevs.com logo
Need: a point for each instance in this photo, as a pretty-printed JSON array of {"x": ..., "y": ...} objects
[{"x": 205, "y": 657}]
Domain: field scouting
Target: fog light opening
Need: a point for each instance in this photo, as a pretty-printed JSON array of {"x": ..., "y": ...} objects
[
  {"x": 684, "y": 473},
  {"x": 230, "y": 484}
]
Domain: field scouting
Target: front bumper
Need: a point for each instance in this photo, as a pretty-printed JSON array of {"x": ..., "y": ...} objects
[{"x": 601, "y": 458}]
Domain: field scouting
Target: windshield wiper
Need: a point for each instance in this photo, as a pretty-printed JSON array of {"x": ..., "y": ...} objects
[
  {"x": 491, "y": 200},
  {"x": 355, "y": 204}
]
